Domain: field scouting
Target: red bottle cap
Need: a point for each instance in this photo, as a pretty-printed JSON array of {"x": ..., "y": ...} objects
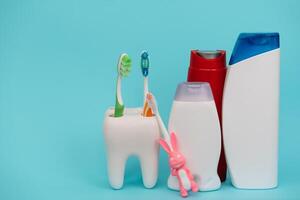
[{"x": 208, "y": 59}]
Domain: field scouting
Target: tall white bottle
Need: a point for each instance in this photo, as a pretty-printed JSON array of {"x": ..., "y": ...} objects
[
  {"x": 250, "y": 111},
  {"x": 194, "y": 119}
]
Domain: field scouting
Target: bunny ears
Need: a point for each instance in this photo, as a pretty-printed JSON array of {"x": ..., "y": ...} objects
[{"x": 167, "y": 147}]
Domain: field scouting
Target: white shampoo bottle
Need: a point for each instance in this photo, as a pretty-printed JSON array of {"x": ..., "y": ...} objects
[
  {"x": 195, "y": 121},
  {"x": 250, "y": 111}
]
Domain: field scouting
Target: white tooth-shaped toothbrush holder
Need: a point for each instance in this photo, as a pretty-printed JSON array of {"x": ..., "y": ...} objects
[{"x": 131, "y": 134}]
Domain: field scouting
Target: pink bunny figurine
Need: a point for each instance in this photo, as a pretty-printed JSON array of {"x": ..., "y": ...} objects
[{"x": 178, "y": 167}]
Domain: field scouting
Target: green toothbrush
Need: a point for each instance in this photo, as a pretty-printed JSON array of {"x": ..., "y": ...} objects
[{"x": 124, "y": 67}]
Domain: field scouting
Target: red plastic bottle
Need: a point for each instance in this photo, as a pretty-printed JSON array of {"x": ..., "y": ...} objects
[{"x": 210, "y": 66}]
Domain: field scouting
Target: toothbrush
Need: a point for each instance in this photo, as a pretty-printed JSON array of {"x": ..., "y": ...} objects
[
  {"x": 177, "y": 161},
  {"x": 124, "y": 67},
  {"x": 147, "y": 112},
  {"x": 153, "y": 105}
]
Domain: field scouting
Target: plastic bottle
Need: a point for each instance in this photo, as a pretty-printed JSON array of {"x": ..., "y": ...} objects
[
  {"x": 210, "y": 66},
  {"x": 250, "y": 111},
  {"x": 195, "y": 121}
]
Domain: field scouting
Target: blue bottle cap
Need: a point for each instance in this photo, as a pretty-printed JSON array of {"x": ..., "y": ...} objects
[{"x": 252, "y": 44}]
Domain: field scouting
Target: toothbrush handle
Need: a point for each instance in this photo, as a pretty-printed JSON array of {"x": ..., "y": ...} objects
[
  {"x": 146, "y": 90},
  {"x": 119, "y": 106},
  {"x": 164, "y": 131},
  {"x": 119, "y": 109}
]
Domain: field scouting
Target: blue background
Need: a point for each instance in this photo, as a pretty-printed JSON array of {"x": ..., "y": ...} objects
[{"x": 57, "y": 77}]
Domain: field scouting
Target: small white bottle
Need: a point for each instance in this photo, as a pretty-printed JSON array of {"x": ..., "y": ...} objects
[
  {"x": 195, "y": 121},
  {"x": 250, "y": 111}
]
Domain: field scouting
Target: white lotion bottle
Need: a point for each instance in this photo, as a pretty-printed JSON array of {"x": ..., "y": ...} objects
[
  {"x": 194, "y": 119},
  {"x": 250, "y": 111}
]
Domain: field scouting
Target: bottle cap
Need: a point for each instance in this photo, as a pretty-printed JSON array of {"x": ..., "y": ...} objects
[
  {"x": 208, "y": 59},
  {"x": 193, "y": 92},
  {"x": 252, "y": 44}
]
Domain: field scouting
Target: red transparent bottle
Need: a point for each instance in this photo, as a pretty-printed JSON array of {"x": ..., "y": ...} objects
[{"x": 210, "y": 66}]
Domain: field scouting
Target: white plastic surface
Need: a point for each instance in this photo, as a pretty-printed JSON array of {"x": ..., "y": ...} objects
[
  {"x": 250, "y": 121},
  {"x": 197, "y": 128},
  {"x": 131, "y": 134}
]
